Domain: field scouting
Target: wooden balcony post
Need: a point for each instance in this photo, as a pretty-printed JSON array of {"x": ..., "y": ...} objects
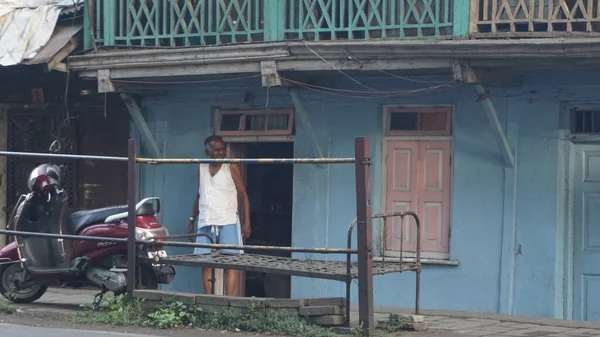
[
  {"x": 274, "y": 19},
  {"x": 87, "y": 30},
  {"x": 109, "y": 11},
  {"x": 461, "y": 19}
]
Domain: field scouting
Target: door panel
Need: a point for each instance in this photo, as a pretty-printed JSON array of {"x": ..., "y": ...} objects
[
  {"x": 434, "y": 190},
  {"x": 402, "y": 193},
  {"x": 418, "y": 179},
  {"x": 586, "y": 221}
]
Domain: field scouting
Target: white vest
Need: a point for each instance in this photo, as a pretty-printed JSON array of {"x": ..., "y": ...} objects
[{"x": 218, "y": 203}]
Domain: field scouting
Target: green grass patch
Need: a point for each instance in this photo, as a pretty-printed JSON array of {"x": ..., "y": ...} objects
[
  {"x": 7, "y": 308},
  {"x": 174, "y": 314}
]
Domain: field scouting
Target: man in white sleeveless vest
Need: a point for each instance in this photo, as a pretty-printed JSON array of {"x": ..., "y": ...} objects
[{"x": 220, "y": 186}]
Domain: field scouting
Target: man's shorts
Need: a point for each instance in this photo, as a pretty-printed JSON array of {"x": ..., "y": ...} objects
[{"x": 226, "y": 234}]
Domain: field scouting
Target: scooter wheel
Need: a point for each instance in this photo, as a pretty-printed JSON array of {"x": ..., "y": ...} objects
[{"x": 12, "y": 292}]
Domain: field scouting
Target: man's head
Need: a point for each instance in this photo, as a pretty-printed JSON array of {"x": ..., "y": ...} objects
[{"x": 214, "y": 147}]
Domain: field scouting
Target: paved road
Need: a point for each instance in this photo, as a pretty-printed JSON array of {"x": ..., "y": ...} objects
[{"x": 11, "y": 330}]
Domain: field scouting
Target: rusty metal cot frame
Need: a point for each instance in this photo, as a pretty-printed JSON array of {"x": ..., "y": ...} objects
[{"x": 364, "y": 217}]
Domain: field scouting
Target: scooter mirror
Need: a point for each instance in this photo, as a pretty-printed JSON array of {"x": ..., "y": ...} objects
[{"x": 55, "y": 146}]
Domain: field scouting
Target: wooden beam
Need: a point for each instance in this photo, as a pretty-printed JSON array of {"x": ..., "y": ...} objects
[
  {"x": 339, "y": 50},
  {"x": 62, "y": 54},
  {"x": 140, "y": 122},
  {"x": 465, "y": 73},
  {"x": 270, "y": 77},
  {"x": 484, "y": 98},
  {"x": 493, "y": 78},
  {"x": 104, "y": 81},
  {"x": 303, "y": 118},
  {"x": 62, "y": 67}
]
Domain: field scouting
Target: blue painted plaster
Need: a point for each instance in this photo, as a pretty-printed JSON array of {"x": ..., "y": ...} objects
[{"x": 491, "y": 216}]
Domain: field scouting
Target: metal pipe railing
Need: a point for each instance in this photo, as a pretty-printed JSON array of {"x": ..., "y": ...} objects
[
  {"x": 256, "y": 247},
  {"x": 418, "y": 250},
  {"x": 61, "y": 236},
  {"x": 245, "y": 161},
  {"x": 60, "y": 156},
  {"x": 159, "y": 242},
  {"x": 184, "y": 160}
]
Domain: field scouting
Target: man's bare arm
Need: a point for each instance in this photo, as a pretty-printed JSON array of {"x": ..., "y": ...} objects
[{"x": 240, "y": 185}]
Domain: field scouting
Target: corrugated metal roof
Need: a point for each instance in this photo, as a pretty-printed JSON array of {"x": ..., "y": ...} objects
[
  {"x": 27, "y": 26},
  {"x": 72, "y": 9},
  {"x": 59, "y": 39}
]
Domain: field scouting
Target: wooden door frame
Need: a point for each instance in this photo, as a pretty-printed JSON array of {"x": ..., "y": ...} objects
[
  {"x": 565, "y": 263},
  {"x": 385, "y": 139},
  {"x": 241, "y": 287}
]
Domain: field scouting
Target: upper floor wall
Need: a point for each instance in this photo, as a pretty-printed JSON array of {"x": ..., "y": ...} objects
[{"x": 179, "y": 23}]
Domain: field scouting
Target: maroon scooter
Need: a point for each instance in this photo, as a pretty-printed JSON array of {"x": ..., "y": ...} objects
[{"x": 28, "y": 265}]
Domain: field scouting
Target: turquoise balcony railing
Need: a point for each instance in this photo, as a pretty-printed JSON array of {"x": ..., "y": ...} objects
[{"x": 174, "y": 23}]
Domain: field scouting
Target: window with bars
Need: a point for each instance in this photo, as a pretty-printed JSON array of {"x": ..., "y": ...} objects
[
  {"x": 585, "y": 121},
  {"x": 267, "y": 122}
]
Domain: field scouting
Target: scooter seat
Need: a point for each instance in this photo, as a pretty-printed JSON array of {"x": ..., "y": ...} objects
[{"x": 81, "y": 219}]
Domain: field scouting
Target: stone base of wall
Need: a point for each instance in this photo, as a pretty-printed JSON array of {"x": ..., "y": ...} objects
[{"x": 321, "y": 311}]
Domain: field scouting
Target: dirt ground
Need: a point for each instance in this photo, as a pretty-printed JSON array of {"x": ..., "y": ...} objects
[{"x": 50, "y": 320}]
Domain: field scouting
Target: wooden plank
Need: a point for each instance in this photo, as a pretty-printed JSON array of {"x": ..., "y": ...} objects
[
  {"x": 328, "y": 320},
  {"x": 474, "y": 14},
  {"x": 303, "y": 118},
  {"x": 63, "y": 53},
  {"x": 104, "y": 81},
  {"x": 466, "y": 73},
  {"x": 497, "y": 128},
  {"x": 140, "y": 122},
  {"x": 321, "y": 310}
]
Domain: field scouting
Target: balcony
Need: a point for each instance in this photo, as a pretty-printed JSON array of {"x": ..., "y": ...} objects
[
  {"x": 257, "y": 36},
  {"x": 182, "y": 23},
  {"x": 535, "y": 18}
]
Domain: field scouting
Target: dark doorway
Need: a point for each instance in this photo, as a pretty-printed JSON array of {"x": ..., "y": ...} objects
[
  {"x": 103, "y": 130},
  {"x": 270, "y": 193}
]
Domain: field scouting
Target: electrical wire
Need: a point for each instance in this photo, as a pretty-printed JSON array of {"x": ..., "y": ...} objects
[
  {"x": 360, "y": 94},
  {"x": 366, "y": 92},
  {"x": 312, "y": 87},
  {"x": 408, "y": 79},
  {"x": 336, "y": 68}
]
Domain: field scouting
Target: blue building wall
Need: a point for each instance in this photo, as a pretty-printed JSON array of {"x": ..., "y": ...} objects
[{"x": 495, "y": 213}]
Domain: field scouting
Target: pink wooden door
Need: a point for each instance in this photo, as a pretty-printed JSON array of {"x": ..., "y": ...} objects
[
  {"x": 418, "y": 179},
  {"x": 402, "y": 192}
]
